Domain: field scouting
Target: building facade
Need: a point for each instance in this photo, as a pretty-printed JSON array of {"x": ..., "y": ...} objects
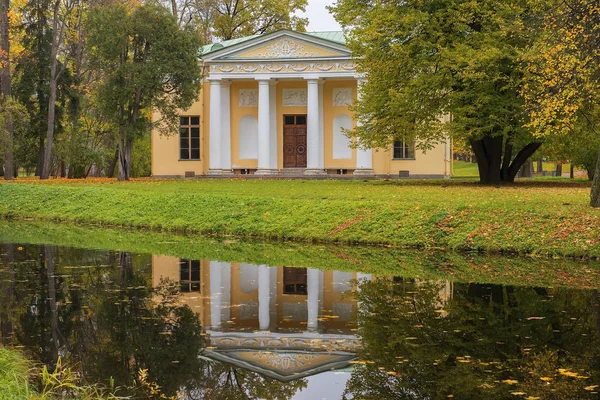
[{"x": 278, "y": 104}]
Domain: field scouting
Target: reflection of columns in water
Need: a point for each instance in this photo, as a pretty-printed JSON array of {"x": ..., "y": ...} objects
[
  {"x": 215, "y": 295},
  {"x": 313, "y": 299},
  {"x": 264, "y": 288}
]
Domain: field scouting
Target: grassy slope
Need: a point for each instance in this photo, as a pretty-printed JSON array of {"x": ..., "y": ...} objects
[
  {"x": 538, "y": 218},
  {"x": 431, "y": 264}
]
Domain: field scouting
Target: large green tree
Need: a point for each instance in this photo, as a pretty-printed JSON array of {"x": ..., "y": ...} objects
[
  {"x": 438, "y": 68},
  {"x": 149, "y": 63}
]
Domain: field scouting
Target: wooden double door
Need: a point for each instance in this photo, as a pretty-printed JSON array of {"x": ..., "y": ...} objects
[{"x": 294, "y": 141}]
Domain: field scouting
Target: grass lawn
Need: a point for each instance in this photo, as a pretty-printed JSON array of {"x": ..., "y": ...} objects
[{"x": 531, "y": 217}]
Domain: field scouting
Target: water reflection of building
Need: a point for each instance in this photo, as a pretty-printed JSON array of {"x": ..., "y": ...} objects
[{"x": 283, "y": 322}]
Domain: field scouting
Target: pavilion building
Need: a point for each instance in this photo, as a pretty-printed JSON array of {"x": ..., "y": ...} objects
[{"x": 278, "y": 104}]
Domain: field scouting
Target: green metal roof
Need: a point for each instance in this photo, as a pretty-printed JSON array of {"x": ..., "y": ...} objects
[{"x": 332, "y": 36}]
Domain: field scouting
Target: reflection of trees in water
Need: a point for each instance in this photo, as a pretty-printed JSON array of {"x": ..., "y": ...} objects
[
  {"x": 224, "y": 382},
  {"x": 99, "y": 312},
  {"x": 488, "y": 341}
]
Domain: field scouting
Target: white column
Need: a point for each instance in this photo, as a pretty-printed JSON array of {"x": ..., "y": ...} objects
[
  {"x": 215, "y": 295},
  {"x": 226, "y": 126},
  {"x": 313, "y": 150},
  {"x": 264, "y": 297},
  {"x": 364, "y": 157},
  {"x": 273, "y": 124},
  {"x": 264, "y": 127},
  {"x": 313, "y": 298},
  {"x": 215, "y": 129},
  {"x": 321, "y": 131}
]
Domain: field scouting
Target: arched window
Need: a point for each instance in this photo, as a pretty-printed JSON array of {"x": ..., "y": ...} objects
[
  {"x": 248, "y": 138},
  {"x": 341, "y": 143}
]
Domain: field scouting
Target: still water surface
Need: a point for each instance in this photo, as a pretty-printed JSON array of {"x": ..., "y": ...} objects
[{"x": 206, "y": 329}]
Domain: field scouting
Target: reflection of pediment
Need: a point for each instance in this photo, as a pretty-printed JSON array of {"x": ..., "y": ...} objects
[
  {"x": 283, "y": 365},
  {"x": 307, "y": 341}
]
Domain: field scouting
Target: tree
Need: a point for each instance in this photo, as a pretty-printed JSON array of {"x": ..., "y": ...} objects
[
  {"x": 230, "y": 19},
  {"x": 66, "y": 14},
  {"x": 563, "y": 75},
  {"x": 149, "y": 63},
  {"x": 5, "y": 87},
  {"x": 235, "y": 18},
  {"x": 442, "y": 67}
]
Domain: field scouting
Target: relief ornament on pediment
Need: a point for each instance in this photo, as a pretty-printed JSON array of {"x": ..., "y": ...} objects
[{"x": 285, "y": 48}]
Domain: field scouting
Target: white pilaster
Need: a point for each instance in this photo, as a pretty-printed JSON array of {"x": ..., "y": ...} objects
[
  {"x": 313, "y": 148},
  {"x": 215, "y": 295},
  {"x": 364, "y": 157},
  {"x": 226, "y": 126},
  {"x": 273, "y": 124},
  {"x": 215, "y": 129},
  {"x": 264, "y": 288},
  {"x": 264, "y": 127},
  {"x": 313, "y": 298}
]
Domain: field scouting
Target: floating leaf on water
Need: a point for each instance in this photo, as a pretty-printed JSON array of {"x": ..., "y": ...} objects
[
  {"x": 535, "y": 318},
  {"x": 590, "y": 388},
  {"x": 510, "y": 381},
  {"x": 546, "y": 378}
]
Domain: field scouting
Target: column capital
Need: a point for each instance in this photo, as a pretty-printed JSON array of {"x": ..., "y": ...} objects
[
  {"x": 263, "y": 79},
  {"x": 215, "y": 80},
  {"x": 313, "y": 79},
  {"x": 226, "y": 82}
]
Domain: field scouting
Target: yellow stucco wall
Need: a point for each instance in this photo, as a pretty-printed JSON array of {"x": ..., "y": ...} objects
[{"x": 165, "y": 149}]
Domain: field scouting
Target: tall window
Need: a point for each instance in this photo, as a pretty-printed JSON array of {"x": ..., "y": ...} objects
[
  {"x": 189, "y": 275},
  {"x": 189, "y": 138},
  {"x": 403, "y": 150}
]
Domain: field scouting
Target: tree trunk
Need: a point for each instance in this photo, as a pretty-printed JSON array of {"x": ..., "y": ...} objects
[
  {"x": 540, "y": 166},
  {"x": 595, "y": 193},
  {"x": 125, "y": 152},
  {"x": 527, "y": 169},
  {"x": 5, "y": 82},
  {"x": 572, "y": 171},
  {"x": 113, "y": 164},
  {"x": 40, "y": 165},
  {"x": 50, "y": 129},
  {"x": 494, "y": 170},
  {"x": 558, "y": 169}
]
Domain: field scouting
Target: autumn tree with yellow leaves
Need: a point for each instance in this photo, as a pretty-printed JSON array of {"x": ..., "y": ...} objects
[{"x": 562, "y": 83}]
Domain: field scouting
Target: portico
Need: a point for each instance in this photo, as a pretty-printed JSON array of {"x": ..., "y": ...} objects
[{"x": 279, "y": 104}]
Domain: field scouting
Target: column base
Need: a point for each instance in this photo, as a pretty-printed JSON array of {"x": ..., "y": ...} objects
[
  {"x": 364, "y": 172},
  {"x": 219, "y": 172},
  {"x": 266, "y": 171},
  {"x": 314, "y": 171}
]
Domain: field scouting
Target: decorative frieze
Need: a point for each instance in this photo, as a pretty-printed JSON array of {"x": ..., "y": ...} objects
[
  {"x": 294, "y": 97},
  {"x": 282, "y": 68},
  {"x": 342, "y": 97},
  {"x": 248, "y": 98}
]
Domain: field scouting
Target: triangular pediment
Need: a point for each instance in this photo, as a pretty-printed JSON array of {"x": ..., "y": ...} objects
[
  {"x": 281, "y": 45},
  {"x": 283, "y": 365}
]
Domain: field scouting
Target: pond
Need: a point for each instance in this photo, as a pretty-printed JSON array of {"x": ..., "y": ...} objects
[{"x": 211, "y": 318}]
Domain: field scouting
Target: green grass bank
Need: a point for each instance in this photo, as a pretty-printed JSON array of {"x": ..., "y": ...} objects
[{"x": 530, "y": 217}]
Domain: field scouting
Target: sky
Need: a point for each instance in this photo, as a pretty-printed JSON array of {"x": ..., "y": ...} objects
[{"x": 319, "y": 18}]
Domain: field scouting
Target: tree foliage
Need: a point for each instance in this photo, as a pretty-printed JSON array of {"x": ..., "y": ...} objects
[
  {"x": 443, "y": 67},
  {"x": 149, "y": 63},
  {"x": 562, "y": 89}
]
